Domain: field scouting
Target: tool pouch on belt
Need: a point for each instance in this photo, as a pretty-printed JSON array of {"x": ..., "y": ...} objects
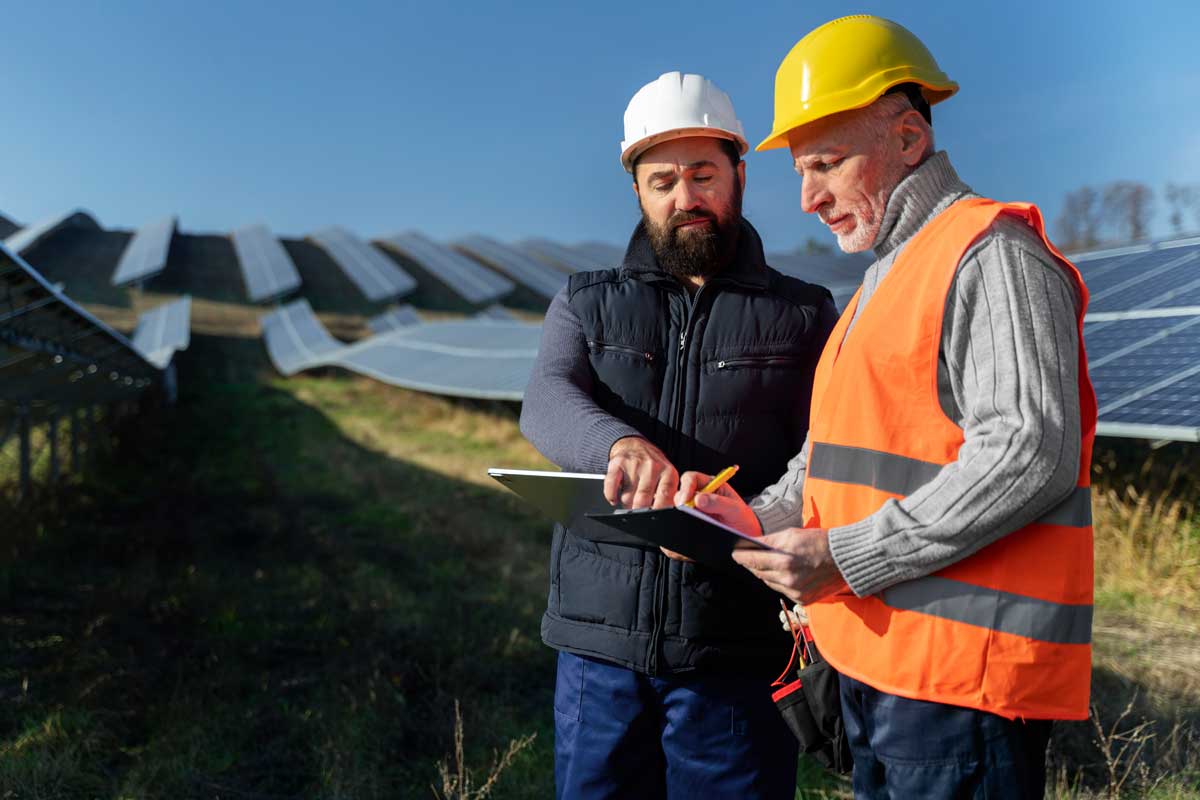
[{"x": 812, "y": 707}]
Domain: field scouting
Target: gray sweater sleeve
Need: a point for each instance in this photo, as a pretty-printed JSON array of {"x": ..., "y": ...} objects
[
  {"x": 781, "y": 505},
  {"x": 558, "y": 415},
  {"x": 1010, "y": 364}
]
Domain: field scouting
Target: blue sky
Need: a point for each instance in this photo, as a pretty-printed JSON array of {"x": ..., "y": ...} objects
[{"x": 452, "y": 118}]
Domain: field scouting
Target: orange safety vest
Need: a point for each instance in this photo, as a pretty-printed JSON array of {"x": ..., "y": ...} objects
[{"x": 1007, "y": 630}]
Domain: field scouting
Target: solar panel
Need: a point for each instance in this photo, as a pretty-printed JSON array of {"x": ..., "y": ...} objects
[
  {"x": 1142, "y": 334},
  {"x": 163, "y": 331},
  {"x": 1159, "y": 279},
  {"x": 466, "y": 277},
  {"x": 53, "y": 353},
  {"x": 601, "y": 252},
  {"x": 376, "y": 275},
  {"x": 394, "y": 319},
  {"x": 26, "y": 238},
  {"x": 295, "y": 338},
  {"x": 7, "y": 227},
  {"x": 532, "y": 273},
  {"x": 267, "y": 270},
  {"x": 560, "y": 256},
  {"x": 146, "y": 253},
  {"x": 461, "y": 358},
  {"x": 496, "y": 313}
]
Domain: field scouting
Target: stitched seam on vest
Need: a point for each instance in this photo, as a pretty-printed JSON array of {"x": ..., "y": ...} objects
[{"x": 1030, "y": 617}]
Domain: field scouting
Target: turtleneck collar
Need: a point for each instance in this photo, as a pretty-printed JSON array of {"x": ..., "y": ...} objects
[{"x": 920, "y": 197}]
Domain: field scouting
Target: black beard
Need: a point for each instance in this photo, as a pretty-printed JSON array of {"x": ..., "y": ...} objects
[{"x": 696, "y": 253}]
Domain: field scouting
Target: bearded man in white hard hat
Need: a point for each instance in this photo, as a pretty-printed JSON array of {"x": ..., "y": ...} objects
[
  {"x": 692, "y": 353},
  {"x": 938, "y": 522}
]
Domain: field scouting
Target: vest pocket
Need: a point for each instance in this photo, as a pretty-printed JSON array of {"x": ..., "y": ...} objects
[
  {"x": 595, "y": 588},
  {"x": 598, "y": 347}
]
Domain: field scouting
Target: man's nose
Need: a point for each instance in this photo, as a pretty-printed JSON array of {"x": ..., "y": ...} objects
[
  {"x": 686, "y": 196},
  {"x": 813, "y": 194}
]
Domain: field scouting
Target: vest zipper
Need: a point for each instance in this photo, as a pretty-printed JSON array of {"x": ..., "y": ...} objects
[
  {"x": 745, "y": 361},
  {"x": 660, "y": 611},
  {"x": 660, "y": 586}
]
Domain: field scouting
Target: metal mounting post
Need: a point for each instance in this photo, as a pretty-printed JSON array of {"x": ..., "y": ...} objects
[
  {"x": 75, "y": 440},
  {"x": 53, "y": 435},
  {"x": 26, "y": 478}
]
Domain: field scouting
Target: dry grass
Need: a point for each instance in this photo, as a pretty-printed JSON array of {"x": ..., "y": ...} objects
[
  {"x": 1148, "y": 540},
  {"x": 1143, "y": 738},
  {"x": 458, "y": 782}
]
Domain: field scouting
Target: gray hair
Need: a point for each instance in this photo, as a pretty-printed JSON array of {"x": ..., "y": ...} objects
[{"x": 875, "y": 119}]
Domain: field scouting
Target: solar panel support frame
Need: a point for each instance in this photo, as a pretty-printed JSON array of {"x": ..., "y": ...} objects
[{"x": 1156, "y": 433}]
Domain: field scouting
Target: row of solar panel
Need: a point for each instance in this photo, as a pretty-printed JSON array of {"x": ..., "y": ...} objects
[
  {"x": 1142, "y": 332},
  {"x": 1144, "y": 358},
  {"x": 478, "y": 269}
]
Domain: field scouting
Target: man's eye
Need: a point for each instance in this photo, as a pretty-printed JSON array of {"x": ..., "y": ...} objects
[
  {"x": 703, "y": 178},
  {"x": 825, "y": 166}
]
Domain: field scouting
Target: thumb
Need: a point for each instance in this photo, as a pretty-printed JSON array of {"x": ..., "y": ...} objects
[{"x": 718, "y": 506}]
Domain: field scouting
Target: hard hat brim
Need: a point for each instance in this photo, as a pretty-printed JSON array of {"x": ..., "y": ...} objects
[
  {"x": 934, "y": 91},
  {"x": 630, "y": 153}
]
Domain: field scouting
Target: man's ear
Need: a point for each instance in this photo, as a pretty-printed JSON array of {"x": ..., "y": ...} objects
[
  {"x": 914, "y": 137},
  {"x": 636, "y": 191},
  {"x": 741, "y": 173}
]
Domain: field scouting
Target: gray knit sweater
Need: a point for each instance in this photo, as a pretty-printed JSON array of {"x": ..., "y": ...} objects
[{"x": 1007, "y": 375}]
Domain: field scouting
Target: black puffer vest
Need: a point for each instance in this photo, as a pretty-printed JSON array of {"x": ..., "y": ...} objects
[{"x": 719, "y": 378}]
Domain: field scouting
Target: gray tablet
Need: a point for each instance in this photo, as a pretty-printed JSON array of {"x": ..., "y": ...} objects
[{"x": 564, "y": 497}]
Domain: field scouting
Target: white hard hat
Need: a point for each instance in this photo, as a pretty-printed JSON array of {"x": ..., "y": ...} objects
[{"x": 677, "y": 105}]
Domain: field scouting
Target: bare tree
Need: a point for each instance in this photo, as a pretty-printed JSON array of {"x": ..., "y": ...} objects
[
  {"x": 1127, "y": 206},
  {"x": 1080, "y": 219},
  {"x": 1183, "y": 200}
]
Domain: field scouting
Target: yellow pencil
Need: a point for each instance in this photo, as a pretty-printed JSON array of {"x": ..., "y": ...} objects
[{"x": 720, "y": 480}]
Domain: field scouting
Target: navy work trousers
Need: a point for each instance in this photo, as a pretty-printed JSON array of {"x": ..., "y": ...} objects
[
  {"x": 911, "y": 748},
  {"x": 621, "y": 734}
]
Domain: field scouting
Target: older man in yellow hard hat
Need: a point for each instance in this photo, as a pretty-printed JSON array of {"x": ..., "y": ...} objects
[{"x": 937, "y": 521}]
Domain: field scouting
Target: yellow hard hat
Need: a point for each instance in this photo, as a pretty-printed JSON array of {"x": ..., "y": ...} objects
[{"x": 848, "y": 63}]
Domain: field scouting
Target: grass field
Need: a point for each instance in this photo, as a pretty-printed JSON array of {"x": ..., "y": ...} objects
[
  {"x": 276, "y": 591},
  {"x": 281, "y": 588}
]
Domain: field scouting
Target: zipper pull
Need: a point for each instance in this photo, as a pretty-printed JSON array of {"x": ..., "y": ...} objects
[
  {"x": 720, "y": 365},
  {"x": 682, "y": 339},
  {"x": 649, "y": 357}
]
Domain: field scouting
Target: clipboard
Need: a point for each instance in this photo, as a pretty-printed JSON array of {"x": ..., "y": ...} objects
[{"x": 685, "y": 530}]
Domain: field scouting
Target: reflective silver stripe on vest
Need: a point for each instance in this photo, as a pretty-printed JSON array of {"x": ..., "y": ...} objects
[
  {"x": 884, "y": 471},
  {"x": 1057, "y": 623},
  {"x": 900, "y": 475}
]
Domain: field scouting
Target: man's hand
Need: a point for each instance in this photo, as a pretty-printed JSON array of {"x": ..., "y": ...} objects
[
  {"x": 725, "y": 504},
  {"x": 803, "y": 572},
  {"x": 639, "y": 475}
]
